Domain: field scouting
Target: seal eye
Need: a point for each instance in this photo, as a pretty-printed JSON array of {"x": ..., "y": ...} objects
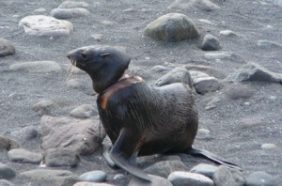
[{"x": 83, "y": 55}]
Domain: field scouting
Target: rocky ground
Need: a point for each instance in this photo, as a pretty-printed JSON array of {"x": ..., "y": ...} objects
[{"x": 50, "y": 131}]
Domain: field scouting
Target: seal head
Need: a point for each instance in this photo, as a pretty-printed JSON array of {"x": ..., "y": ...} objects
[{"x": 105, "y": 65}]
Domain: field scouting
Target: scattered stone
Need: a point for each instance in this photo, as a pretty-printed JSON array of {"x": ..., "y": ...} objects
[
  {"x": 155, "y": 180},
  {"x": 5, "y": 183},
  {"x": 164, "y": 168},
  {"x": 81, "y": 136},
  {"x": 75, "y": 84},
  {"x": 36, "y": 67},
  {"x": 172, "y": 27},
  {"x": 43, "y": 107},
  {"x": 177, "y": 74},
  {"x": 204, "y": 83},
  {"x": 268, "y": 146},
  {"x": 40, "y": 25},
  {"x": 107, "y": 23},
  {"x": 61, "y": 157},
  {"x": 268, "y": 44},
  {"x": 213, "y": 103},
  {"x": 47, "y": 175},
  {"x": 255, "y": 72},
  {"x": 97, "y": 37},
  {"x": 91, "y": 184},
  {"x": 261, "y": 178},
  {"x": 120, "y": 178},
  {"x": 94, "y": 176},
  {"x": 203, "y": 134},
  {"x": 160, "y": 69},
  {"x": 219, "y": 55},
  {"x": 26, "y": 133},
  {"x": 238, "y": 91},
  {"x": 226, "y": 176},
  {"x": 206, "y": 5},
  {"x": 40, "y": 10},
  {"x": 6, "y": 48},
  {"x": 24, "y": 156},
  {"x": 73, "y": 4},
  {"x": 228, "y": 33},
  {"x": 6, "y": 172},
  {"x": 210, "y": 42},
  {"x": 206, "y": 21},
  {"x": 179, "y": 178},
  {"x": 83, "y": 111},
  {"x": 7, "y": 144},
  {"x": 68, "y": 13},
  {"x": 207, "y": 69},
  {"x": 205, "y": 169}
]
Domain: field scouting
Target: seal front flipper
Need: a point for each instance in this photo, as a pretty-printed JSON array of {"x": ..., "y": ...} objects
[
  {"x": 125, "y": 150},
  {"x": 213, "y": 157}
]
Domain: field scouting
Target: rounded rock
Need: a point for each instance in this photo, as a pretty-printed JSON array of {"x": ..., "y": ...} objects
[
  {"x": 36, "y": 67},
  {"x": 179, "y": 178},
  {"x": 94, "y": 176},
  {"x": 43, "y": 106},
  {"x": 172, "y": 27},
  {"x": 205, "y": 169},
  {"x": 155, "y": 180},
  {"x": 67, "y": 13},
  {"x": 6, "y": 172},
  {"x": 84, "y": 183},
  {"x": 210, "y": 42},
  {"x": 83, "y": 111},
  {"x": 226, "y": 176},
  {"x": 24, "y": 156},
  {"x": 261, "y": 178},
  {"x": 6, "y": 48},
  {"x": 268, "y": 146},
  {"x": 73, "y": 4},
  {"x": 61, "y": 157}
]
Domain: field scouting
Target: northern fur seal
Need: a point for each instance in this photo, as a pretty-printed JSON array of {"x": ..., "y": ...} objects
[{"x": 139, "y": 119}]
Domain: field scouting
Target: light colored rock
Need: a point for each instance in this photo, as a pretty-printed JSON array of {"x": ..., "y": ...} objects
[
  {"x": 206, "y": 21},
  {"x": 213, "y": 103},
  {"x": 84, "y": 183},
  {"x": 73, "y": 4},
  {"x": 40, "y": 25},
  {"x": 6, "y": 172},
  {"x": 268, "y": 44},
  {"x": 226, "y": 176},
  {"x": 37, "y": 67},
  {"x": 268, "y": 146},
  {"x": 208, "y": 70},
  {"x": 40, "y": 10},
  {"x": 93, "y": 176},
  {"x": 164, "y": 168},
  {"x": 176, "y": 75},
  {"x": 58, "y": 157},
  {"x": 210, "y": 42},
  {"x": 255, "y": 72},
  {"x": 75, "y": 84},
  {"x": 206, "y": 5},
  {"x": 4, "y": 182},
  {"x": 43, "y": 106},
  {"x": 83, "y": 111},
  {"x": 238, "y": 91},
  {"x": 179, "y": 178},
  {"x": 25, "y": 133},
  {"x": 205, "y": 169},
  {"x": 24, "y": 156},
  {"x": 261, "y": 178},
  {"x": 97, "y": 37},
  {"x": 68, "y": 13},
  {"x": 7, "y": 144},
  {"x": 155, "y": 180},
  {"x": 218, "y": 55},
  {"x": 160, "y": 69},
  {"x": 47, "y": 174},
  {"x": 228, "y": 33},
  {"x": 6, "y": 48},
  {"x": 172, "y": 27},
  {"x": 203, "y": 134},
  {"x": 204, "y": 83},
  {"x": 81, "y": 136}
]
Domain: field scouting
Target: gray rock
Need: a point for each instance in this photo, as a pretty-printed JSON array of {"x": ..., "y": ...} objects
[
  {"x": 159, "y": 69},
  {"x": 7, "y": 144},
  {"x": 40, "y": 10},
  {"x": 228, "y": 33},
  {"x": 268, "y": 44},
  {"x": 179, "y": 178},
  {"x": 268, "y": 146},
  {"x": 5, "y": 183},
  {"x": 68, "y": 13},
  {"x": 93, "y": 176},
  {"x": 43, "y": 107},
  {"x": 207, "y": 69},
  {"x": 97, "y": 37},
  {"x": 47, "y": 175},
  {"x": 176, "y": 75},
  {"x": 155, "y": 180},
  {"x": 37, "y": 67},
  {"x": 255, "y": 72},
  {"x": 24, "y": 156},
  {"x": 84, "y": 183},
  {"x": 75, "y": 84},
  {"x": 206, "y": 5},
  {"x": 213, "y": 103},
  {"x": 6, "y": 48},
  {"x": 73, "y": 4},
  {"x": 203, "y": 134},
  {"x": 40, "y": 25},
  {"x": 226, "y": 176},
  {"x": 261, "y": 178},
  {"x": 238, "y": 91},
  {"x": 204, "y": 83},
  {"x": 164, "y": 168},
  {"x": 25, "y": 133},
  {"x": 205, "y": 169},
  {"x": 172, "y": 27},
  {"x": 81, "y": 136},
  {"x": 219, "y": 55},
  {"x": 6, "y": 172},
  {"x": 61, "y": 157},
  {"x": 210, "y": 42},
  {"x": 83, "y": 111}
]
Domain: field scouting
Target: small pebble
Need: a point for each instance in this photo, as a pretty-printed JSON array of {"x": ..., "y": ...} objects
[
  {"x": 94, "y": 176},
  {"x": 24, "y": 156},
  {"x": 6, "y": 172},
  {"x": 268, "y": 146},
  {"x": 179, "y": 178},
  {"x": 205, "y": 169}
]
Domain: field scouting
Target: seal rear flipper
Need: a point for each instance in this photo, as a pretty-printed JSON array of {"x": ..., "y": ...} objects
[
  {"x": 213, "y": 157},
  {"x": 125, "y": 150}
]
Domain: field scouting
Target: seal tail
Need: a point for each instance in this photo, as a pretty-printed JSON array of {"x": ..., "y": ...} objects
[{"x": 212, "y": 157}]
